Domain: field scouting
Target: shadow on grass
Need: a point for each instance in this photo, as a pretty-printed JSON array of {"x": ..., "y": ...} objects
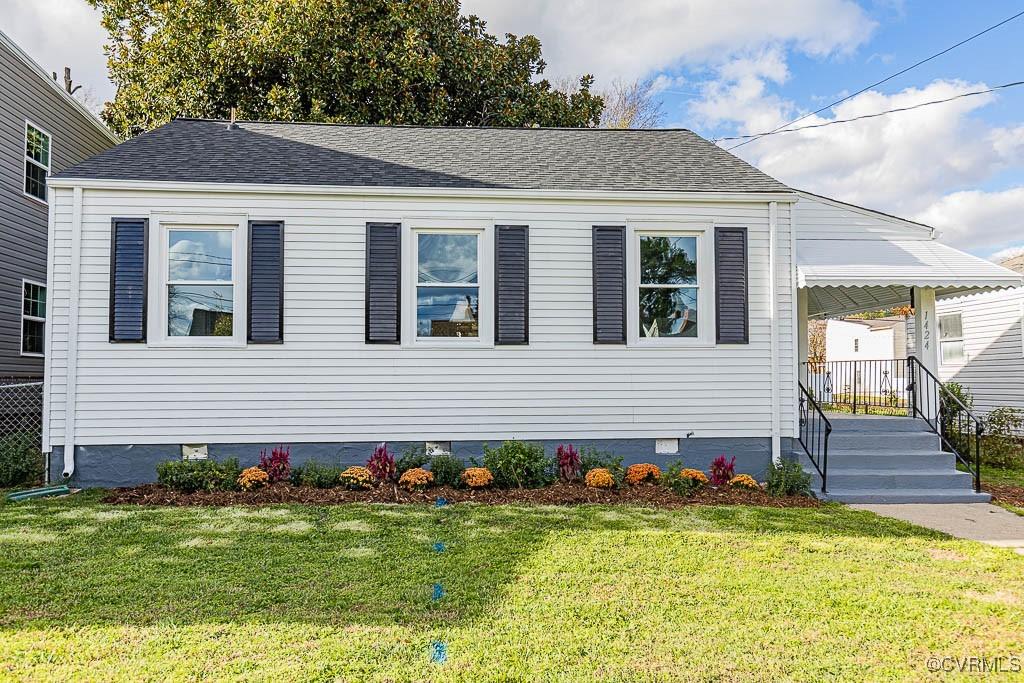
[{"x": 75, "y": 561}]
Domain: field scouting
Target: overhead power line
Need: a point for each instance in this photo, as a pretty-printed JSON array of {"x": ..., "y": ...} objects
[
  {"x": 778, "y": 131},
  {"x": 884, "y": 80}
]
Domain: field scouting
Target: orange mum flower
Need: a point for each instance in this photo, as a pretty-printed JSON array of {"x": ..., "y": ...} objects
[{"x": 642, "y": 472}]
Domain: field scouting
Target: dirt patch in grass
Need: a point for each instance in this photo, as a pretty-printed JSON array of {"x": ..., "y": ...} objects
[
  {"x": 648, "y": 495},
  {"x": 1006, "y": 493}
]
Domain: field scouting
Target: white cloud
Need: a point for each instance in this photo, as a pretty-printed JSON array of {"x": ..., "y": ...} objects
[
  {"x": 1007, "y": 253},
  {"x": 921, "y": 164},
  {"x": 978, "y": 220},
  {"x": 59, "y": 33},
  {"x": 613, "y": 40}
]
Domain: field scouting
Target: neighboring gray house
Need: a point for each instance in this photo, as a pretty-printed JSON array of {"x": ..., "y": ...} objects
[
  {"x": 43, "y": 130},
  {"x": 981, "y": 344}
]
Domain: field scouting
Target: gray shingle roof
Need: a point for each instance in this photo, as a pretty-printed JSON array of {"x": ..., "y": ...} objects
[{"x": 379, "y": 156}]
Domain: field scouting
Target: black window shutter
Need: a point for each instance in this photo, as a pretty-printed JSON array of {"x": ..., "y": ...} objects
[
  {"x": 383, "y": 283},
  {"x": 609, "y": 266},
  {"x": 511, "y": 284},
  {"x": 128, "y": 277},
  {"x": 266, "y": 282},
  {"x": 731, "y": 296}
]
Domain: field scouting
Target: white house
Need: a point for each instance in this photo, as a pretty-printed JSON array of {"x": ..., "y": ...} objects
[
  {"x": 855, "y": 339},
  {"x": 981, "y": 344},
  {"x": 329, "y": 287}
]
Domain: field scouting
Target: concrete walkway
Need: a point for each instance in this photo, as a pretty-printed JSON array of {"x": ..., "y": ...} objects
[{"x": 975, "y": 521}]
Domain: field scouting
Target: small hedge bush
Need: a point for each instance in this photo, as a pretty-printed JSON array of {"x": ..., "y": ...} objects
[
  {"x": 316, "y": 475},
  {"x": 519, "y": 464},
  {"x": 787, "y": 478},
  {"x": 1002, "y": 445},
  {"x": 189, "y": 476},
  {"x": 21, "y": 460},
  {"x": 411, "y": 458},
  {"x": 594, "y": 459},
  {"x": 684, "y": 480},
  {"x": 447, "y": 470}
]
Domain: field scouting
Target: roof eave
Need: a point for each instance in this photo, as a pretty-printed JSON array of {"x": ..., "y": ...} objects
[{"x": 395, "y": 191}]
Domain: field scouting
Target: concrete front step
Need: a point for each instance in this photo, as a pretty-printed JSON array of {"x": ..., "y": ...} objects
[
  {"x": 896, "y": 460},
  {"x": 874, "y": 423},
  {"x": 904, "y": 496},
  {"x": 883, "y": 441},
  {"x": 918, "y": 480}
]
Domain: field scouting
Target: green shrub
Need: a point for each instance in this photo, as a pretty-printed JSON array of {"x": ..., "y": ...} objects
[
  {"x": 519, "y": 464},
  {"x": 788, "y": 478},
  {"x": 447, "y": 470},
  {"x": 411, "y": 458},
  {"x": 317, "y": 475},
  {"x": 591, "y": 459},
  {"x": 1002, "y": 445},
  {"x": 21, "y": 460},
  {"x": 199, "y": 475},
  {"x": 685, "y": 481}
]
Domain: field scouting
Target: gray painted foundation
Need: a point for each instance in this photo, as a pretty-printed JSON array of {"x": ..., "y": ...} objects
[{"x": 128, "y": 465}]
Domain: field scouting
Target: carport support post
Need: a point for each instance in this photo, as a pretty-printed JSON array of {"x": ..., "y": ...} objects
[
  {"x": 926, "y": 333},
  {"x": 801, "y": 335}
]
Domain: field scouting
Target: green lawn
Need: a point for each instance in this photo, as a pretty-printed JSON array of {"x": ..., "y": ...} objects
[
  {"x": 96, "y": 592},
  {"x": 1001, "y": 475}
]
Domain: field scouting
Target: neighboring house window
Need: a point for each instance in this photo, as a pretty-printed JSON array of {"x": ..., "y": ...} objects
[
  {"x": 447, "y": 284},
  {"x": 33, "y": 318},
  {"x": 37, "y": 161},
  {"x": 669, "y": 289},
  {"x": 951, "y": 338}
]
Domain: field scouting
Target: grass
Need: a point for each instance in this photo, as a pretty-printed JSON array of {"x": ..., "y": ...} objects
[{"x": 96, "y": 592}]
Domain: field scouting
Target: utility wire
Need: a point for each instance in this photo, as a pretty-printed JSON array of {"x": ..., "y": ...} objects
[
  {"x": 884, "y": 80},
  {"x": 754, "y": 136}
]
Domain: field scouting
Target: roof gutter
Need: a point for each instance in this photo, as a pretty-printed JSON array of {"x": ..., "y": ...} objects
[{"x": 441, "y": 192}]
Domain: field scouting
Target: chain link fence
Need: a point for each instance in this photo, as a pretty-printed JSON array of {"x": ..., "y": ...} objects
[{"x": 21, "y": 429}]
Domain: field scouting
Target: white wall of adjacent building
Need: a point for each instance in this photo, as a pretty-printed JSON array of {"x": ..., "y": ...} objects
[{"x": 324, "y": 384}]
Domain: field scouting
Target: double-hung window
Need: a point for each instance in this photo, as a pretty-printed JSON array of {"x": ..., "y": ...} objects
[
  {"x": 197, "y": 289},
  {"x": 33, "y": 318},
  {"x": 37, "y": 161},
  {"x": 951, "y": 339},
  {"x": 448, "y": 283},
  {"x": 668, "y": 296}
]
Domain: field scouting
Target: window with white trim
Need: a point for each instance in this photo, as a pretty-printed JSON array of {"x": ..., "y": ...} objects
[
  {"x": 33, "y": 318},
  {"x": 197, "y": 282},
  {"x": 447, "y": 284},
  {"x": 37, "y": 161},
  {"x": 951, "y": 339},
  {"x": 669, "y": 291}
]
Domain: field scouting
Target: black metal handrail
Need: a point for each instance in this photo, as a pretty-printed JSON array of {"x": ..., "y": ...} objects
[
  {"x": 814, "y": 432},
  {"x": 872, "y": 387},
  {"x": 959, "y": 430}
]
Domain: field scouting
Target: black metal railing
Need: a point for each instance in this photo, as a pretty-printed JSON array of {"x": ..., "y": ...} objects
[
  {"x": 814, "y": 432},
  {"x": 959, "y": 430},
  {"x": 872, "y": 387}
]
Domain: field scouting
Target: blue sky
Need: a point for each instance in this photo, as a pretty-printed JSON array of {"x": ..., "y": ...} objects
[{"x": 727, "y": 67}]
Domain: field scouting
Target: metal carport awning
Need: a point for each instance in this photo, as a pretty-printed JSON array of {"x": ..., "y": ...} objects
[{"x": 853, "y": 276}]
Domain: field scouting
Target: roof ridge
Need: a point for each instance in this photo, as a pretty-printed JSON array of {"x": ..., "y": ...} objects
[{"x": 437, "y": 127}]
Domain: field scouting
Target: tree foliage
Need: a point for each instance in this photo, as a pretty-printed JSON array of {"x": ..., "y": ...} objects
[
  {"x": 355, "y": 61},
  {"x": 631, "y": 105}
]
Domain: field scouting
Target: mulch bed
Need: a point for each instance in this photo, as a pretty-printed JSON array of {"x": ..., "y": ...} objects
[
  {"x": 646, "y": 495},
  {"x": 1005, "y": 493}
]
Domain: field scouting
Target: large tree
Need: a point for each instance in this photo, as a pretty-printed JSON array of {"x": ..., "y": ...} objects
[{"x": 349, "y": 61}]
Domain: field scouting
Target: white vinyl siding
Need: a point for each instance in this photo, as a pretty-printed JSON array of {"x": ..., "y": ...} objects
[
  {"x": 325, "y": 384},
  {"x": 993, "y": 369}
]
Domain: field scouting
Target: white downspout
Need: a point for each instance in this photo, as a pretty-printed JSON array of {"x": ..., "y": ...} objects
[
  {"x": 799, "y": 327},
  {"x": 72, "y": 360},
  {"x": 773, "y": 319}
]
